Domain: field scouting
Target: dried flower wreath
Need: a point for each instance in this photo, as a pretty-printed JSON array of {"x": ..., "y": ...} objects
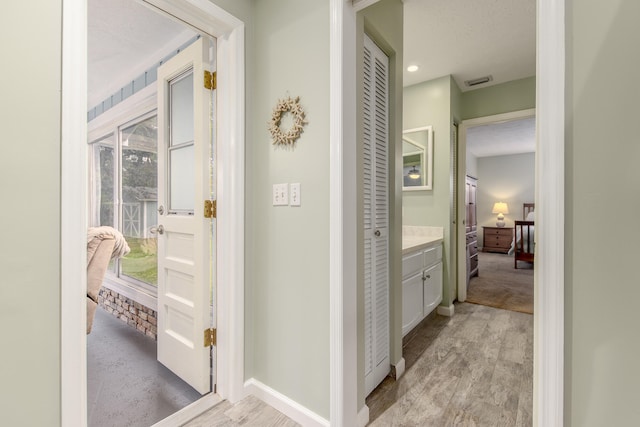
[{"x": 289, "y": 137}]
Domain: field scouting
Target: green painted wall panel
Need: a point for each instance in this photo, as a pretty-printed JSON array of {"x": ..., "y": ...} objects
[
  {"x": 602, "y": 151},
  {"x": 29, "y": 182},
  {"x": 503, "y": 98},
  {"x": 287, "y": 270}
]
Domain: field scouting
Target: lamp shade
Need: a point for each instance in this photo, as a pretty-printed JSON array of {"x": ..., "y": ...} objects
[{"x": 500, "y": 208}]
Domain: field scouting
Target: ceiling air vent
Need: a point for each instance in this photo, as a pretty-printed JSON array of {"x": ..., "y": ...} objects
[{"x": 478, "y": 81}]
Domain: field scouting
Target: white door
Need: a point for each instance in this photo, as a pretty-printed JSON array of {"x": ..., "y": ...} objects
[
  {"x": 376, "y": 215},
  {"x": 186, "y": 238}
]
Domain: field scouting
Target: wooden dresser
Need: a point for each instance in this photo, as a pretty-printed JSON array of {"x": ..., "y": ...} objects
[{"x": 497, "y": 239}]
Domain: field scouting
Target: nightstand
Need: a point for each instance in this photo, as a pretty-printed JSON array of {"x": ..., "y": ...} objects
[{"x": 497, "y": 239}]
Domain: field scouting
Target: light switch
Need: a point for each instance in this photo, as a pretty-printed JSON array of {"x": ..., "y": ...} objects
[
  {"x": 294, "y": 194},
  {"x": 280, "y": 194}
]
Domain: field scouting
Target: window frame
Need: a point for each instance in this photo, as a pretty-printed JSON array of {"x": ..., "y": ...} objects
[{"x": 135, "y": 109}]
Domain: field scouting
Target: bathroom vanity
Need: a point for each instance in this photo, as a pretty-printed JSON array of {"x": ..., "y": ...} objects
[{"x": 421, "y": 273}]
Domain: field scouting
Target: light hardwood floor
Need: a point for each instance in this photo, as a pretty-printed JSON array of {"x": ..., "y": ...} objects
[
  {"x": 248, "y": 412},
  {"x": 472, "y": 369}
]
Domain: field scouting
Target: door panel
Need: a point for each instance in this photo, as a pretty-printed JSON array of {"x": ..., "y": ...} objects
[
  {"x": 376, "y": 215},
  {"x": 185, "y": 279}
]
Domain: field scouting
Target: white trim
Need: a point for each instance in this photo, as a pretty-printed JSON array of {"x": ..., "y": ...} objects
[
  {"x": 400, "y": 368},
  {"x": 231, "y": 212},
  {"x": 138, "y": 104},
  {"x": 190, "y": 412},
  {"x": 73, "y": 214},
  {"x": 358, "y": 5},
  {"x": 462, "y": 171},
  {"x": 230, "y": 36},
  {"x": 446, "y": 311},
  {"x": 548, "y": 398},
  {"x": 287, "y": 406},
  {"x": 126, "y": 290},
  {"x": 363, "y": 416},
  {"x": 343, "y": 333}
]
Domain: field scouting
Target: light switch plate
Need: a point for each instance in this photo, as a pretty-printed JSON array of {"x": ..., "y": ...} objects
[
  {"x": 294, "y": 194},
  {"x": 280, "y": 194}
]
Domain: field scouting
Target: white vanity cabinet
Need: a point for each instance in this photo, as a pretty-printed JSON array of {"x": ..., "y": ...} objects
[{"x": 421, "y": 284}]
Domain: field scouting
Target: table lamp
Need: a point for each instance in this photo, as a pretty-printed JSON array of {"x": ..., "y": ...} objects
[{"x": 500, "y": 208}]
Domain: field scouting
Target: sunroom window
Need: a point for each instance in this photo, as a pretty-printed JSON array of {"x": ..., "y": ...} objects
[{"x": 125, "y": 196}]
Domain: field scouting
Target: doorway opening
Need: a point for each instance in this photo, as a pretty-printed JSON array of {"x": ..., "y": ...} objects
[
  {"x": 498, "y": 156},
  {"x": 151, "y": 161}
]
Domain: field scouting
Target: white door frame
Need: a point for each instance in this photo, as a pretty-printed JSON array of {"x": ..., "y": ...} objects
[
  {"x": 229, "y": 32},
  {"x": 549, "y": 295},
  {"x": 462, "y": 171}
]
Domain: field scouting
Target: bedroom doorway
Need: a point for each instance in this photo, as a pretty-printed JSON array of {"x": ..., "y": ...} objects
[{"x": 499, "y": 151}]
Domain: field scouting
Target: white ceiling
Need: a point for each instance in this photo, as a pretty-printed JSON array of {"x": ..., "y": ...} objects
[
  {"x": 125, "y": 39},
  {"x": 469, "y": 39},
  {"x": 499, "y": 139}
]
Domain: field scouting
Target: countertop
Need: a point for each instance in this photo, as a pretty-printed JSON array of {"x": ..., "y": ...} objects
[{"x": 415, "y": 238}]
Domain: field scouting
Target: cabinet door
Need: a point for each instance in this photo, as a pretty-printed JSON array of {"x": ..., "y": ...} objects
[
  {"x": 432, "y": 291},
  {"x": 412, "y": 298}
]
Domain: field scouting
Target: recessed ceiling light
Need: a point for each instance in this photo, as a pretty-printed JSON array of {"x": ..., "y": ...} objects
[{"x": 412, "y": 68}]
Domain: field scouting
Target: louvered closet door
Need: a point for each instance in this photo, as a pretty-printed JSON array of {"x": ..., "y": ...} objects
[{"x": 376, "y": 214}]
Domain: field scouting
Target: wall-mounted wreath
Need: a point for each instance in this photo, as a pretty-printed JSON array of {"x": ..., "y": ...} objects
[{"x": 293, "y": 107}]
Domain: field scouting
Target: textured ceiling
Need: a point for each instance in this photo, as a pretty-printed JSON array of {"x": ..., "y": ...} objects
[
  {"x": 469, "y": 39},
  {"x": 125, "y": 38},
  {"x": 499, "y": 139}
]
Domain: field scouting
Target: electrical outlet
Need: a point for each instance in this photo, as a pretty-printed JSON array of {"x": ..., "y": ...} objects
[
  {"x": 280, "y": 194},
  {"x": 294, "y": 193}
]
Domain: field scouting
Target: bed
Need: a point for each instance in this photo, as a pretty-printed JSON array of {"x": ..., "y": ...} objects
[{"x": 523, "y": 244}]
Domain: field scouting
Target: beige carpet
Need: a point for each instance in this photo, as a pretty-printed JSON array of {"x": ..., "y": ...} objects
[{"x": 502, "y": 286}]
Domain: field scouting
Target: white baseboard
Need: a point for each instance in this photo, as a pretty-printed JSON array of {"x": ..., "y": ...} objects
[
  {"x": 399, "y": 368},
  {"x": 446, "y": 311},
  {"x": 363, "y": 415},
  {"x": 190, "y": 412},
  {"x": 282, "y": 403}
]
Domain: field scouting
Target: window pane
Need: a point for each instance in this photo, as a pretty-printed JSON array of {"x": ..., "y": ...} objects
[
  {"x": 182, "y": 110},
  {"x": 102, "y": 185},
  {"x": 140, "y": 199},
  {"x": 181, "y": 179}
]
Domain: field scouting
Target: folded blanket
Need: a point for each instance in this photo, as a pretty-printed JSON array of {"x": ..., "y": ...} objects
[{"x": 120, "y": 248}]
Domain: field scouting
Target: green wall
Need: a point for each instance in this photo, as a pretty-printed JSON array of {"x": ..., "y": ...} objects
[
  {"x": 515, "y": 95},
  {"x": 287, "y": 270},
  {"x": 429, "y": 104},
  {"x": 30, "y": 194},
  {"x": 602, "y": 348}
]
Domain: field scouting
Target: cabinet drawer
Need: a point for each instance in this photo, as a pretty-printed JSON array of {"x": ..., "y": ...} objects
[
  {"x": 498, "y": 241},
  {"x": 432, "y": 255},
  {"x": 508, "y": 232},
  {"x": 473, "y": 262},
  {"x": 473, "y": 249},
  {"x": 411, "y": 263}
]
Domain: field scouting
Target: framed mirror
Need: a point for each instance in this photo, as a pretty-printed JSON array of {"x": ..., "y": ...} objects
[{"x": 417, "y": 159}]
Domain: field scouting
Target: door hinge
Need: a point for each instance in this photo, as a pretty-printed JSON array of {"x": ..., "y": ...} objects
[
  {"x": 209, "y": 337},
  {"x": 210, "y": 80},
  {"x": 210, "y": 209}
]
